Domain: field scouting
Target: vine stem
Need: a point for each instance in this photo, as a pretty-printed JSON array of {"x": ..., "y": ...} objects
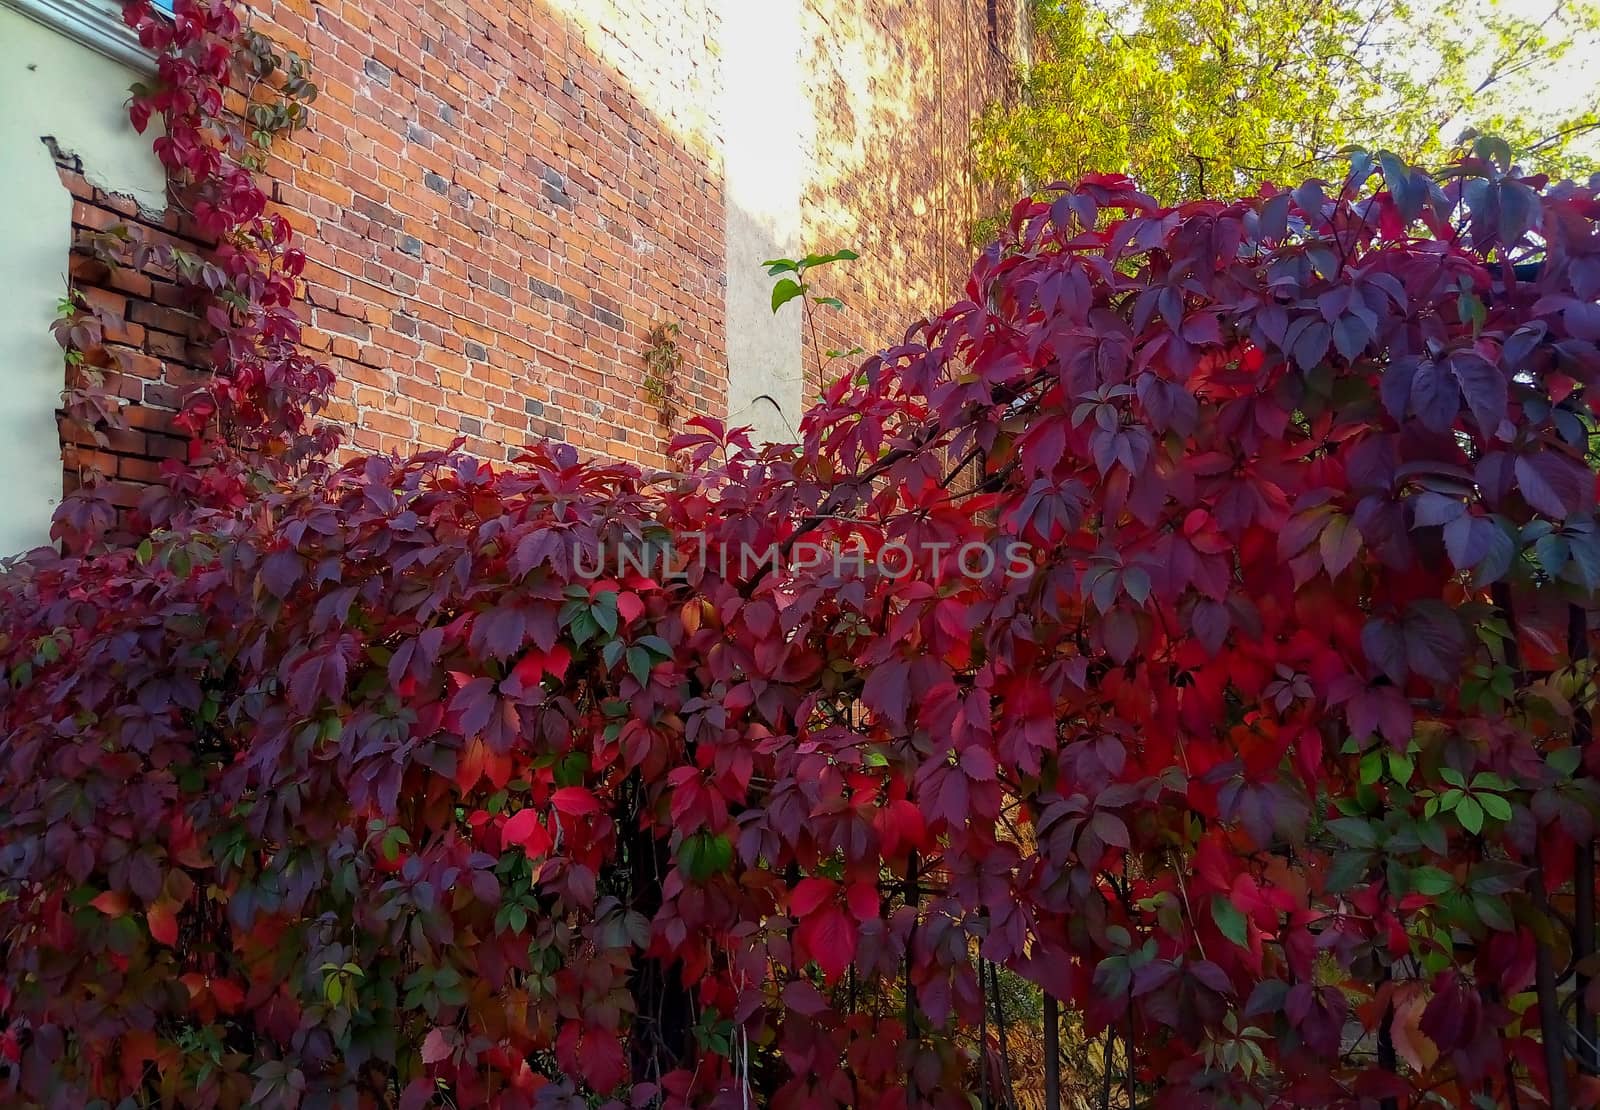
[
  {"x": 1551, "y": 1024},
  {"x": 1583, "y": 939},
  {"x": 1052, "y": 1053}
]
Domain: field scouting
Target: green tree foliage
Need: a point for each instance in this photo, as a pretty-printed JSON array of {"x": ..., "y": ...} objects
[{"x": 1209, "y": 97}]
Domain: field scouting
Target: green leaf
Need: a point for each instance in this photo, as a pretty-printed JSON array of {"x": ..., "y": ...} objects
[
  {"x": 1564, "y": 761},
  {"x": 785, "y": 291},
  {"x": 813, "y": 260},
  {"x": 1354, "y": 831},
  {"x": 639, "y": 664},
  {"x": 583, "y": 628},
  {"x": 1492, "y": 148},
  {"x": 703, "y": 855},
  {"x": 1432, "y": 881},
  {"x": 1432, "y": 837},
  {"x": 1401, "y": 767},
  {"x": 1230, "y": 921},
  {"x": 1348, "y": 870},
  {"x": 604, "y": 611},
  {"x": 1496, "y": 877},
  {"x": 1371, "y": 768},
  {"x": 1495, "y": 806},
  {"x": 1494, "y": 913},
  {"x": 1470, "y": 814}
]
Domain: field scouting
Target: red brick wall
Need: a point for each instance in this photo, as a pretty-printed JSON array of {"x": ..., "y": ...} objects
[
  {"x": 499, "y": 200},
  {"x": 147, "y": 359},
  {"x": 495, "y": 220}
]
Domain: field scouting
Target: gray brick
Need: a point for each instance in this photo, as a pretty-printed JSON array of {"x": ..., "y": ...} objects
[
  {"x": 546, "y": 290},
  {"x": 555, "y": 196},
  {"x": 606, "y": 312}
]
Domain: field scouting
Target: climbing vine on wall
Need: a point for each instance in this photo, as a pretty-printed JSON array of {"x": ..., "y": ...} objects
[
  {"x": 663, "y": 362},
  {"x": 222, "y": 94}
]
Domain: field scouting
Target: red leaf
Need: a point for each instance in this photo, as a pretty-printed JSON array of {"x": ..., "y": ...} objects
[
  {"x": 113, "y": 903},
  {"x": 523, "y": 828},
  {"x": 829, "y": 938},
  {"x": 803, "y": 998},
  {"x": 629, "y": 607},
  {"x": 862, "y": 899},
  {"x": 436, "y": 1046},
  {"x": 535, "y": 664},
  {"x": 900, "y": 826},
  {"x": 575, "y": 801},
  {"x": 603, "y": 1065},
  {"x": 163, "y": 920},
  {"x": 229, "y": 995},
  {"x": 809, "y": 894}
]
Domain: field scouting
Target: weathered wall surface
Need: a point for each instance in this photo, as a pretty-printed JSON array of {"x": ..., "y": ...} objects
[
  {"x": 896, "y": 87},
  {"x": 52, "y": 87},
  {"x": 500, "y": 199}
]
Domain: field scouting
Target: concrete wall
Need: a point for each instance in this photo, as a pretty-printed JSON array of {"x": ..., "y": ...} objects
[
  {"x": 52, "y": 88},
  {"x": 765, "y": 115}
]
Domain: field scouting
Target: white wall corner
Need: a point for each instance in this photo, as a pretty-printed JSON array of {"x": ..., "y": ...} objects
[{"x": 764, "y": 113}]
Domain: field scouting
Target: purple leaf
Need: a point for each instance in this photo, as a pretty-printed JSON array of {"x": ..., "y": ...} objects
[
  {"x": 1435, "y": 397},
  {"x": 1341, "y": 540},
  {"x": 1554, "y": 484},
  {"x": 1430, "y": 509},
  {"x": 1484, "y": 387},
  {"x": 1385, "y": 646}
]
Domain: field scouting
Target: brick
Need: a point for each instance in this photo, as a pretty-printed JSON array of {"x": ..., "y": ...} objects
[
  {"x": 545, "y": 290},
  {"x": 606, "y": 311}
]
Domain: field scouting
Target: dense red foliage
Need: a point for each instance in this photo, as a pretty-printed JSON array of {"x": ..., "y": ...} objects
[{"x": 358, "y": 785}]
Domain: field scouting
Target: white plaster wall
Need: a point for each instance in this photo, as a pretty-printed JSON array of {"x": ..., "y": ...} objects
[
  {"x": 50, "y": 86},
  {"x": 765, "y": 114}
]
